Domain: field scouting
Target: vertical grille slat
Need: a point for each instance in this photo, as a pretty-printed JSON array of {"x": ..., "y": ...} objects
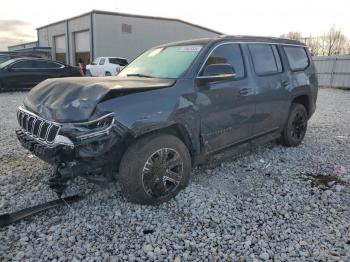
[
  {"x": 43, "y": 130},
  {"x": 20, "y": 119},
  {"x": 33, "y": 125},
  {"x": 37, "y": 127},
  {"x": 24, "y": 121},
  {"x": 30, "y": 123},
  {"x": 52, "y": 133}
]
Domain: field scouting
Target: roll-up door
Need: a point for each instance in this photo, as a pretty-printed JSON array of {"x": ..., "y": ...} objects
[
  {"x": 60, "y": 48},
  {"x": 82, "y": 46}
]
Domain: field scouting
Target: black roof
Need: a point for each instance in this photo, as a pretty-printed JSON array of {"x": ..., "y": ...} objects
[
  {"x": 29, "y": 58},
  {"x": 266, "y": 39},
  {"x": 238, "y": 38}
]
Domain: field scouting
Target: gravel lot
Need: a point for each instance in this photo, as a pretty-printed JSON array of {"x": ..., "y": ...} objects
[{"x": 262, "y": 205}]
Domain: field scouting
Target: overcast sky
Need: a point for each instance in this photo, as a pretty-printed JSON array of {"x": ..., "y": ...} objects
[{"x": 19, "y": 18}]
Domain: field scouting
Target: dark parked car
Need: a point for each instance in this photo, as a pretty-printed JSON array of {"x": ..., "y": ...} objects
[
  {"x": 25, "y": 73},
  {"x": 169, "y": 109},
  {"x": 4, "y": 56}
]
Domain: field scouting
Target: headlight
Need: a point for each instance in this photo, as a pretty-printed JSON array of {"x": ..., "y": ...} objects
[
  {"x": 100, "y": 123},
  {"x": 96, "y": 127}
]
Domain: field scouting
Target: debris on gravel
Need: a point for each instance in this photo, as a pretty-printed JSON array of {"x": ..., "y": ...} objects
[{"x": 270, "y": 204}]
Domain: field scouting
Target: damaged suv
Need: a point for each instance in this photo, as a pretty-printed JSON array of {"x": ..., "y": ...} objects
[{"x": 169, "y": 109}]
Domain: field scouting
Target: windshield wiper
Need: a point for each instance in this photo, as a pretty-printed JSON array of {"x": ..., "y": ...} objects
[{"x": 140, "y": 75}]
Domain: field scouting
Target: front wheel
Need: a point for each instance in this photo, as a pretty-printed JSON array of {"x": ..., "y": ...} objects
[
  {"x": 154, "y": 169},
  {"x": 296, "y": 126}
]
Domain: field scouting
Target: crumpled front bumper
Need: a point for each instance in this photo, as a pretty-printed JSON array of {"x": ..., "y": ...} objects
[{"x": 53, "y": 154}]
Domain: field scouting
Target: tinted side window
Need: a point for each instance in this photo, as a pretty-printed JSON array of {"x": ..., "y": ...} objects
[
  {"x": 102, "y": 61},
  {"x": 118, "y": 61},
  {"x": 45, "y": 64},
  {"x": 23, "y": 64},
  {"x": 263, "y": 59},
  {"x": 228, "y": 54},
  {"x": 297, "y": 57},
  {"x": 54, "y": 65}
]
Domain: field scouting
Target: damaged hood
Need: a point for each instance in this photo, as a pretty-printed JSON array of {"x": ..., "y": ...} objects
[{"x": 74, "y": 99}]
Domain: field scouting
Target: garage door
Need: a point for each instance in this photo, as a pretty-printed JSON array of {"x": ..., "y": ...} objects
[
  {"x": 60, "y": 48},
  {"x": 82, "y": 46}
]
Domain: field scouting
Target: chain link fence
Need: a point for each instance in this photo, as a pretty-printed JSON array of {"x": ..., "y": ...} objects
[{"x": 333, "y": 71}]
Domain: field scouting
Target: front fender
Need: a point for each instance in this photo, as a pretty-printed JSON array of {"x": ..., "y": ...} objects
[{"x": 153, "y": 110}]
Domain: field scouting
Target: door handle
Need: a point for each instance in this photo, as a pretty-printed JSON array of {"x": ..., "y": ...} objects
[
  {"x": 244, "y": 91},
  {"x": 285, "y": 83}
]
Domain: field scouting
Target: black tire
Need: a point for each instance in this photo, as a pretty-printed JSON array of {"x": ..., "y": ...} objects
[
  {"x": 108, "y": 74},
  {"x": 296, "y": 126},
  {"x": 143, "y": 173},
  {"x": 1, "y": 87}
]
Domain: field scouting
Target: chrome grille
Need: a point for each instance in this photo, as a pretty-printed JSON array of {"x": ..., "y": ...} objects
[{"x": 37, "y": 127}]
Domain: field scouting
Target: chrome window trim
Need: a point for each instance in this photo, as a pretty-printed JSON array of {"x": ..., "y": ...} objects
[
  {"x": 31, "y": 68},
  {"x": 242, "y": 42},
  {"x": 216, "y": 76}
]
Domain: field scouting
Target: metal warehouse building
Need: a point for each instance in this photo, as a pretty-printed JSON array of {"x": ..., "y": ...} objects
[{"x": 100, "y": 33}]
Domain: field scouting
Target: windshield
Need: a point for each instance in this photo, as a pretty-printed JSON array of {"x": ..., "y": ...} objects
[
  {"x": 2, "y": 65},
  {"x": 163, "y": 62},
  {"x": 95, "y": 62},
  {"x": 4, "y": 58}
]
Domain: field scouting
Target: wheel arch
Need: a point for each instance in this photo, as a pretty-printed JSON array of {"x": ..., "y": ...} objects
[
  {"x": 176, "y": 129},
  {"x": 304, "y": 100}
]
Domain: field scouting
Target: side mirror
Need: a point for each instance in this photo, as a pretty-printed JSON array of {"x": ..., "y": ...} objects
[
  {"x": 8, "y": 68},
  {"x": 218, "y": 72}
]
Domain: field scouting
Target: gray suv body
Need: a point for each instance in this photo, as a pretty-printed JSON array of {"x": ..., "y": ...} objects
[{"x": 169, "y": 109}]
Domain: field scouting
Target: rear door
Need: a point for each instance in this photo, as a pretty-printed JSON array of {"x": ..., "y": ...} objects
[
  {"x": 271, "y": 87},
  {"x": 226, "y": 107},
  {"x": 94, "y": 67},
  {"x": 48, "y": 69}
]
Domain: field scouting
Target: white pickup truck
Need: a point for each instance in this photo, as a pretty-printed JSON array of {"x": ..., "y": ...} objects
[{"x": 106, "y": 66}]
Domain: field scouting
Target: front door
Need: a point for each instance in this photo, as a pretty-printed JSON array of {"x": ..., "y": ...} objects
[
  {"x": 226, "y": 107},
  {"x": 21, "y": 75}
]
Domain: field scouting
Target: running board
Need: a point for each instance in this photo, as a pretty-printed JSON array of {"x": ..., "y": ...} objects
[{"x": 10, "y": 218}]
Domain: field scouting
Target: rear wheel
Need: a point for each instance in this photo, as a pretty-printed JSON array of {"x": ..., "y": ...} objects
[
  {"x": 296, "y": 126},
  {"x": 154, "y": 169}
]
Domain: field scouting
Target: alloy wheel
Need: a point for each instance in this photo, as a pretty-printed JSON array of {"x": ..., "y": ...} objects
[
  {"x": 299, "y": 124},
  {"x": 162, "y": 173}
]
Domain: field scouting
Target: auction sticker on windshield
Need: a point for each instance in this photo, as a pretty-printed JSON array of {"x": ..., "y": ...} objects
[{"x": 190, "y": 48}]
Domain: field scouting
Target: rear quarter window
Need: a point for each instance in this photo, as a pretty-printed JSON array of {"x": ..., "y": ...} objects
[{"x": 297, "y": 57}]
